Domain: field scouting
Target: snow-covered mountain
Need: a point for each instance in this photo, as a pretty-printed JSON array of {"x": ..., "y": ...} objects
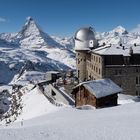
[
  {"x": 31, "y": 35},
  {"x": 33, "y": 45},
  {"x": 47, "y": 52},
  {"x": 118, "y": 35}
]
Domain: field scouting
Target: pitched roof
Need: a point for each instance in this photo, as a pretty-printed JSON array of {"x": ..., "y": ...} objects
[{"x": 101, "y": 88}]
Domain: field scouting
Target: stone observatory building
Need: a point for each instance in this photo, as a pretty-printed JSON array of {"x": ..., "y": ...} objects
[{"x": 120, "y": 62}]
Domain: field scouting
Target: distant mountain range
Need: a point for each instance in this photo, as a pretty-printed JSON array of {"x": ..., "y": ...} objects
[
  {"x": 44, "y": 52},
  {"x": 119, "y": 35}
]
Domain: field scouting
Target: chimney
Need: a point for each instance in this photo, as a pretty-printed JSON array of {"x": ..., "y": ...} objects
[
  {"x": 135, "y": 44},
  {"x": 123, "y": 47}
]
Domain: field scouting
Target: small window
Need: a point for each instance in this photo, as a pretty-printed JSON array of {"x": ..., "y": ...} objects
[
  {"x": 78, "y": 73},
  {"x": 99, "y": 60},
  {"x": 96, "y": 59},
  {"x": 136, "y": 93},
  {"x": 137, "y": 81},
  {"x": 78, "y": 61},
  {"x": 99, "y": 71},
  {"x": 96, "y": 69},
  {"x": 91, "y": 43},
  {"x": 137, "y": 70}
]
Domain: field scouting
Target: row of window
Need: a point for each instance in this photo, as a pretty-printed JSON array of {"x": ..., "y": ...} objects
[
  {"x": 79, "y": 60},
  {"x": 94, "y": 68},
  {"x": 91, "y": 77},
  {"x": 95, "y": 58},
  {"x": 120, "y": 71}
]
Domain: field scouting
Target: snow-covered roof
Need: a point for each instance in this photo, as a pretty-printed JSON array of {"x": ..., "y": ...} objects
[
  {"x": 101, "y": 88},
  {"x": 117, "y": 50}
]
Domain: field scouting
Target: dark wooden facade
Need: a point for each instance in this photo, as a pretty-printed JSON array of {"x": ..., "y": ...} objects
[
  {"x": 121, "y": 60},
  {"x": 84, "y": 97}
]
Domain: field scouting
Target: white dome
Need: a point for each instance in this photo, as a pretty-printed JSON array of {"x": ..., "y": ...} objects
[
  {"x": 84, "y": 34},
  {"x": 83, "y": 38}
]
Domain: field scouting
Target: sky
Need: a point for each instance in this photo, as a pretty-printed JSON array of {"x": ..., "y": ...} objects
[{"x": 64, "y": 17}]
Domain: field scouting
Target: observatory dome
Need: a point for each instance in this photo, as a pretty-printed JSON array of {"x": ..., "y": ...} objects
[
  {"x": 84, "y": 34},
  {"x": 84, "y": 39}
]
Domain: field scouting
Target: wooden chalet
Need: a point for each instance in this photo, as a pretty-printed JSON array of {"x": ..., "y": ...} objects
[{"x": 98, "y": 93}]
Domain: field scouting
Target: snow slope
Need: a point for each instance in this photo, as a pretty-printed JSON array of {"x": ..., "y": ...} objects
[
  {"x": 35, "y": 104},
  {"x": 116, "y": 123}
]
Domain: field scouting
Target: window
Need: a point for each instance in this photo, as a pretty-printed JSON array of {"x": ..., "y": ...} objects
[
  {"x": 137, "y": 70},
  {"x": 138, "y": 93},
  {"x": 99, "y": 71},
  {"x": 96, "y": 69},
  {"x": 78, "y": 61},
  {"x": 96, "y": 59},
  {"x": 99, "y": 60},
  {"x": 138, "y": 80}
]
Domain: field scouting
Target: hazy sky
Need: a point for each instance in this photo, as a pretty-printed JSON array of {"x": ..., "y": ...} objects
[{"x": 63, "y": 17}]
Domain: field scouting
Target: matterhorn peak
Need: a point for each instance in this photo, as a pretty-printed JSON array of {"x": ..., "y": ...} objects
[
  {"x": 29, "y": 18},
  {"x": 31, "y": 35},
  {"x": 30, "y": 28},
  {"x": 30, "y": 21}
]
